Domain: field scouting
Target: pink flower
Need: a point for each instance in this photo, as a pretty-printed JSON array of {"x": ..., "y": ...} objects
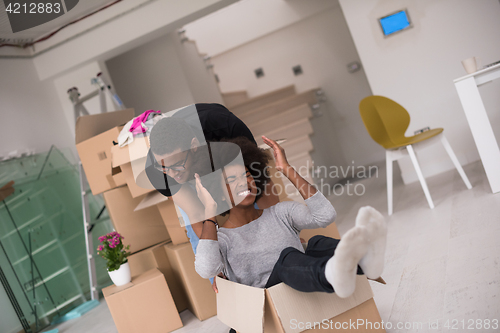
[
  {"x": 102, "y": 239},
  {"x": 112, "y": 245},
  {"x": 100, "y": 248}
]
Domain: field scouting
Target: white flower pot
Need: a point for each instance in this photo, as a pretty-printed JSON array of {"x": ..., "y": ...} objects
[{"x": 121, "y": 276}]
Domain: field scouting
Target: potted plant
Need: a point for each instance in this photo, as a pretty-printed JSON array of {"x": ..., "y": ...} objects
[{"x": 115, "y": 253}]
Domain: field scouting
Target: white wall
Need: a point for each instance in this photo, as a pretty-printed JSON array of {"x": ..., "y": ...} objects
[
  {"x": 151, "y": 77},
  {"x": 116, "y": 30},
  {"x": 417, "y": 67},
  {"x": 247, "y": 20},
  {"x": 29, "y": 110},
  {"x": 201, "y": 81},
  {"x": 322, "y": 45}
]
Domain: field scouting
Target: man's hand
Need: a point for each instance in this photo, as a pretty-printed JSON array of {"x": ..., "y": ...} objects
[{"x": 206, "y": 198}]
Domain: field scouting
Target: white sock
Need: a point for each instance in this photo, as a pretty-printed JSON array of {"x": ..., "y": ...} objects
[
  {"x": 340, "y": 270},
  {"x": 372, "y": 263}
]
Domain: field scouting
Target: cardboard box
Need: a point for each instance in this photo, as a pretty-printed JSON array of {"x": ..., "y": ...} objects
[
  {"x": 201, "y": 297},
  {"x": 143, "y": 305},
  {"x": 94, "y": 136},
  {"x": 142, "y": 228},
  {"x": 156, "y": 257},
  {"x": 131, "y": 161},
  {"x": 178, "y": 235},
  {"x": 169, "y": 214},
  {"x": 285, "y": 310}
]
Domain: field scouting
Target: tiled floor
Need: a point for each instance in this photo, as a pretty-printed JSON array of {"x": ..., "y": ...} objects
[{"x": 441, "y": 264}]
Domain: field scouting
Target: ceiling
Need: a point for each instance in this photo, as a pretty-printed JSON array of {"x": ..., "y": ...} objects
[{"x": 80, "y": 9}]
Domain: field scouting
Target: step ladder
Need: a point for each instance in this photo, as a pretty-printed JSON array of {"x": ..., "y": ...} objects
[{"x": 103, "y": 90}]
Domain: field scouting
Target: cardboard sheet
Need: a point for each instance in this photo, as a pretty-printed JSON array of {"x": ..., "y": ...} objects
[{"x": 240, "y": 307}]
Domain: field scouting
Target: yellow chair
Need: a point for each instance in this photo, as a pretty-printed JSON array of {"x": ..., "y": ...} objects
[{"x": 387, "y": 122}]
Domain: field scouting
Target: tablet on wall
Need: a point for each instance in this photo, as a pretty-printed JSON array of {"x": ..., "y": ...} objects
[{"x": 395, "y": 22}]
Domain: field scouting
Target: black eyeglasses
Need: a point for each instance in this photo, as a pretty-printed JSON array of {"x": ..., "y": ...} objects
[{"x": 165, "y": 169}]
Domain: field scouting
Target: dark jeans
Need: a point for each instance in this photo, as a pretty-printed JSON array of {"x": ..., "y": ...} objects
[{"x": 305, "y": 271}]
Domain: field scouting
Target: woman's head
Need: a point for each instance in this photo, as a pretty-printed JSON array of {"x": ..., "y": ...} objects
[{"x": 245, "y": 182}]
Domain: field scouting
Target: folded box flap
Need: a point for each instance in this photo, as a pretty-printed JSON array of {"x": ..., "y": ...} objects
[
  {"x": 151, "y": 199},
  {"x": 240, "y": 307},
  {"x": 137, "y": 149},
  {"x": 295, "y": 307},
  {"x": 94, "y": 124}
]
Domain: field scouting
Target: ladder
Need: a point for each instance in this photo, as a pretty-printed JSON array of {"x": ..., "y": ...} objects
[{"x": 103, "y": 90}]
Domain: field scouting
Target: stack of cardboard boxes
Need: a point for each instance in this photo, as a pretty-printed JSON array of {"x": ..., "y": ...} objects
[{"x": 164, "y": 281}]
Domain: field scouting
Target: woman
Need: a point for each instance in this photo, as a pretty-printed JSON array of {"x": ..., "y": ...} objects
[{"x": 262, "y": 248}]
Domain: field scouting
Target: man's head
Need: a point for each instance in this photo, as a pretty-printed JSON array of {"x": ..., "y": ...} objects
[{"x": 173, "y": 144}]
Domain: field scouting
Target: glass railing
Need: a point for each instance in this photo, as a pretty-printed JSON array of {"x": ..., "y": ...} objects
[{"x": 42, "y": 242}]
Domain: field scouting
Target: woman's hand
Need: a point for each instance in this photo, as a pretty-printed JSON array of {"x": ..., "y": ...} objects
[
  {"x": 279, "y": 154},
  {"x": 214, "y": 285},
  {"x": 206, "y": 198}
]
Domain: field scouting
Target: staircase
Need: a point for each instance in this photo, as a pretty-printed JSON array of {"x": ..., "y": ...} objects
[{"x": 280, "y": 114}]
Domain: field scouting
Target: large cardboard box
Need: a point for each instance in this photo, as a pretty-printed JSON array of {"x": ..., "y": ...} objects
[
  {"x": 130, "y": 161},
  {"x": 143, "y": 305},
  {"x": 156, "y": 257},
  {"x": 201, "y": 297},
  {"x": 94, "y": 136},
  {"x": 282, "y": 309},
  {"x": 142, "y": 228}
]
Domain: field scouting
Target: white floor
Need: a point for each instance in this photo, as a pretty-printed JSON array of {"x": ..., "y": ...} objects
[{"x": 441, "y": 264}]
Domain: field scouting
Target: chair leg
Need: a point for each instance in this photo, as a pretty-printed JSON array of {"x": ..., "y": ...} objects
[
  {"x": 388, "y": 162},
  {"x": 420, "y": 175},
  {"x": 455, "y": 161}
]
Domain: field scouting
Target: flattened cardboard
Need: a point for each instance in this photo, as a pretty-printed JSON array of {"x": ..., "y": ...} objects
[
  {"x": 141, "y": 229},
  {"x": 151, "y": 199},
  {"x": 143, "y": 305},
  {"x": 201, "y": 297},
  {"x": 156, "y": 257},
  {"x": 178, "y": 234}
]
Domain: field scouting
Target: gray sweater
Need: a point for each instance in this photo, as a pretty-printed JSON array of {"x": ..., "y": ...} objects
[{"x": 247, "y": 254}]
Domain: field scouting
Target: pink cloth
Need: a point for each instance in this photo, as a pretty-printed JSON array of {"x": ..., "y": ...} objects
[{"x": 138, "y": 123}]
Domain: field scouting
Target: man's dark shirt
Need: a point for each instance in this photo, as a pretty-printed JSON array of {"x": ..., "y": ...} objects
[{"x": 217, "y": 123}]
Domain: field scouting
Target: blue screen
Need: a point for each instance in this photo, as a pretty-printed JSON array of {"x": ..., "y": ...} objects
[{"x": 395, "y": 22}]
